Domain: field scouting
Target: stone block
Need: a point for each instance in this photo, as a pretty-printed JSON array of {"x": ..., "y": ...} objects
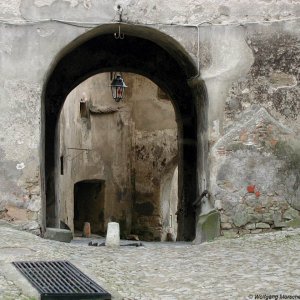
[
  {"x": 266, "y": 201},
  {"x": 113, "y": 235},
  {"x": 226, "y": 225},
  {"x": 280, "y": 224},
  {"x": 262, "y": 226},
  {"x": 291, "y": 214},
  {"x": 268, "y": 218},
  {"x": 252, "y": 200},
  {"x": 208, "y": 227},
  {"x": 244, "y": 231},
  {"x": 294, "y": 223},
  {"x": 256, "y": 231},
  {"x": 224, "y": 218},
  {"x": 230, "y": 233},
  {"x": 58, "y": 234},
  {"x": 32, "y": 215},
  {"x": 30, "y": 225},
  {"x": 240, "y": 217},
  {"x": 218, "y": 204},
  {"x": 34, "y": 205},
  {"x": 255, "y": 218},
  {"x": 250, "y": 226},
  {"x": 228, "y": 205},
  {"x": 278, "y": 220},
  {"x": 16, "y": 213},
  {"x": 259, "y": 209}
]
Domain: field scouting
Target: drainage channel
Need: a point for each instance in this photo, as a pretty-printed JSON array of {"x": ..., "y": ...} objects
[{"x": 60, "y": 280}]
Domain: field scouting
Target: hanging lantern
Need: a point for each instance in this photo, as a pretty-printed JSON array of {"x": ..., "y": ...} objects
[{"x": 118, "y": 88}]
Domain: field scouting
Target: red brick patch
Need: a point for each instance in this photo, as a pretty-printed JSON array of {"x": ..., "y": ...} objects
[{"x": 250, "y": 188}]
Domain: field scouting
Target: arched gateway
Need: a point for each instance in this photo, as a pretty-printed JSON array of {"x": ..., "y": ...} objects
[{"x": 150, "y": 53}]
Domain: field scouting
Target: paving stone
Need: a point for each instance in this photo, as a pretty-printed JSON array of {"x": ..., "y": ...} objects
[{"x": 254, "y": 264}]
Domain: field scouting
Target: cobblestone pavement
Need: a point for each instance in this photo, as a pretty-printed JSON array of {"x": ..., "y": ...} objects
[{"x": 266, "y": 264}]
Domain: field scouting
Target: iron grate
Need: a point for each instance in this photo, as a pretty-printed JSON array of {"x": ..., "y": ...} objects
[{"x": 60, "y": 280}]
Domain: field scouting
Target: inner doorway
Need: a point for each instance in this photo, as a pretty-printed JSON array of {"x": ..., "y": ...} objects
[
  {"x": 89, "y": 205},
  {"x": 131, "y": 145}
]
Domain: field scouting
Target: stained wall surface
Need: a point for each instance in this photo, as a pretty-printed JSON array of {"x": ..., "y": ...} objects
[
  {"x": 130, "y": 146},
  {"x": 248, "y": 59}
]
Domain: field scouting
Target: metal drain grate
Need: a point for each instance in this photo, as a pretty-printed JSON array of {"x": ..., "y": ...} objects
[{"x": 60, "y": 280}]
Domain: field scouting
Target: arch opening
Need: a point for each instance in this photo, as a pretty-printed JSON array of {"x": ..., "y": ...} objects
[{"x": 157, "y": 57}]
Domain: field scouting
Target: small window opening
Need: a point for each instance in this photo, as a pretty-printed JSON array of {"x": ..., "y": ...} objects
[
  {"x": 61, "y": 165},
  {"x": 83, "y": 109}
]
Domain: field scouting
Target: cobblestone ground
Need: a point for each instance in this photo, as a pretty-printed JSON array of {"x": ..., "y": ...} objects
[{"x": 265, "y": 264}]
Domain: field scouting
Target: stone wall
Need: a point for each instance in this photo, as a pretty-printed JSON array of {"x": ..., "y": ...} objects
[
  {"x": 95, "y": 146},
  {"x": 248, "y": 59},
  {"x": 128, "y": 145},
  {"x": 156, "y": 153},
  {"x": 256, "y": 160}
]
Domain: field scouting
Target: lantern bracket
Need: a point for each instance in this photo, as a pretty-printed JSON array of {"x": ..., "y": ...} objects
[
  {"x": 119, "y": 35},
  {"x": 119, "y": 12}
]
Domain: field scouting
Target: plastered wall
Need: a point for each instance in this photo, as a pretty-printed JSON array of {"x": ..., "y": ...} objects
[
  {"x": 248, "y": 59},
  {"x": 129, "y": 145}
]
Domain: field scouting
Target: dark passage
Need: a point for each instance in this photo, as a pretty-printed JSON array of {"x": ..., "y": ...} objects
[
  {"x": 157, "y": 56},
  {"x": 89, "y": 205}
]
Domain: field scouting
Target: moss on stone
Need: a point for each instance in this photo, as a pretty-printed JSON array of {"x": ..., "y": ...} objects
[
  {"x": 286, "y": 151},
  {"x": 208, "y": 227},
  {"x": 295, "y": 223},
  {"x": 237, "y": 147}
]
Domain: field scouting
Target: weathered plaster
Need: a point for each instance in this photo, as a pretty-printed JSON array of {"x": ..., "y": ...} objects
[
  {"x": 130, "y": 145},
  {"x": 230, "y": 59},
  {"x": 261, "y": 113},
  {"x": 273, "y": 77},
  {"x": 248, "y": 67},
  {"x": 69, "y": 10},
  {"x": 191, "y": 11},
  {"x": 10, "y": 9}
]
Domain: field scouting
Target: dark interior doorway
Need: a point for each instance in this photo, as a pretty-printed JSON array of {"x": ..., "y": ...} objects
[{"x": 89, "y": 205}]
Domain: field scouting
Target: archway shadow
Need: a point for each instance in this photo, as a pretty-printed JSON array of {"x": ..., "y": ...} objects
[{"x": 147, "y": 52}]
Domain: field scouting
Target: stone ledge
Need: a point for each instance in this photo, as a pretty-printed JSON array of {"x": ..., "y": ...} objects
[{"x": 57, "y": 234}]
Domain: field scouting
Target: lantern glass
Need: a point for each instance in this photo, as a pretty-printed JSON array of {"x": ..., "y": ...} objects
[{"x": 118, "y": 88}]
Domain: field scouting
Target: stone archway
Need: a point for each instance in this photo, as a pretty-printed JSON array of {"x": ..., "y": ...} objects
[{"x": 147, "y": 52}]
